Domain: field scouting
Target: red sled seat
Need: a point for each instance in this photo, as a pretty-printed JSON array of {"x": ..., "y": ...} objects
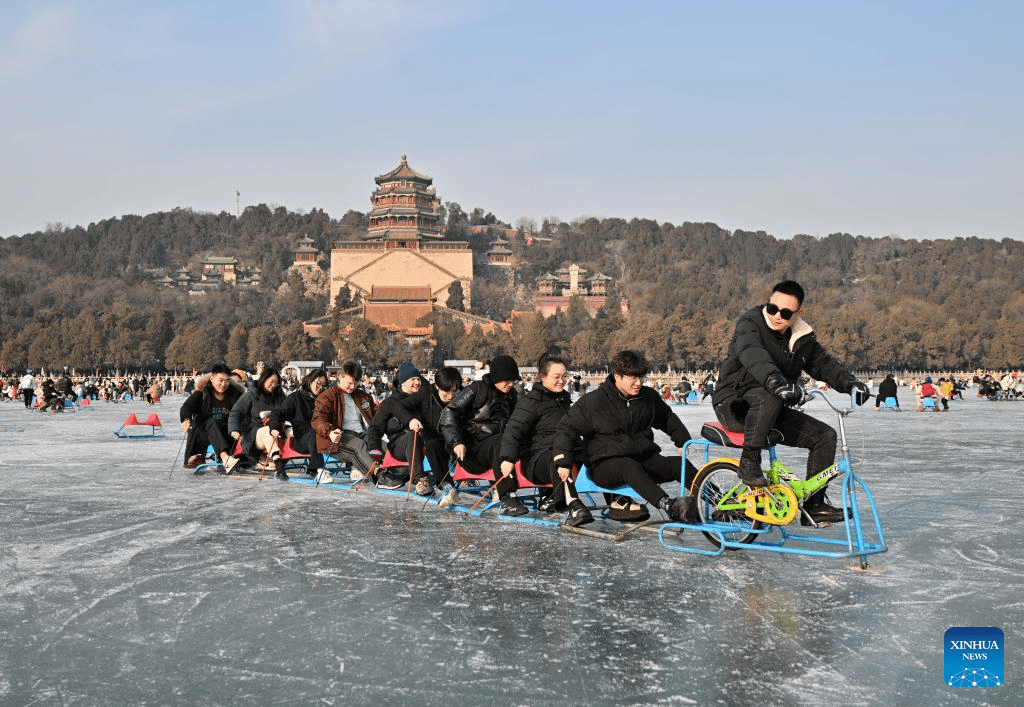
[{"x": 714, "y": 432}]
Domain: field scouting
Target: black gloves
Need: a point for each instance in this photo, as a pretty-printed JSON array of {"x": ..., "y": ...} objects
[
  {"x": 791, "y": 393},
  {"x": 863, "y": 394}
]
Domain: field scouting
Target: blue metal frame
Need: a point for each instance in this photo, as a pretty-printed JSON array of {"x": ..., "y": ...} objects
[{"x": 855, "y": 543}]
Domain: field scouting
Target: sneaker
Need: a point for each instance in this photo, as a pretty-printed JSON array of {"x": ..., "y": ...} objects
[
  {"x": 281, "y": 474},
  {"x": 548, "y": 505},
  {"x": 390, "y": 482},
  {"x": 325, "y": 477},
  {"x": 512, "y": 506},
  {"x": 578, "y": 514},
  {"x": 231, "y": 463},
  {"x": 424, "y": 487},
  {"x": 195, "y": 460},
  {"x": 449, "y": 497},
  {"x": 355, "y": 475}
]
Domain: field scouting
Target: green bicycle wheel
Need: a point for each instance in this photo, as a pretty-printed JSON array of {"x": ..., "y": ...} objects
[{"x": 714, "y": 482}]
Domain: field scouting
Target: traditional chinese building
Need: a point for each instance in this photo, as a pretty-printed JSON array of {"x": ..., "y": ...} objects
[
  {"x": 403, "y": 244},
  {"x": 305, "y": 254},
  {"x": 219, "y": 268},
  {"x": 555, "y": 291}
]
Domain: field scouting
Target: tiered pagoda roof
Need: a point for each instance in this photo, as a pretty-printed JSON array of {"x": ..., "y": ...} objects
[{"x": 405, "y": 207}]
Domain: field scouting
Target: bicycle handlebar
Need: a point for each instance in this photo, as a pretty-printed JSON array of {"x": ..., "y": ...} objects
[{"x": 812, "y": 394}]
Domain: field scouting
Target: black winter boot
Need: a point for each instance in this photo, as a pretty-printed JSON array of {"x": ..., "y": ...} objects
[
  {"x": 279, "y": 472},
  {"x": 820, "y": 511},
  {"x": 682, "y": 509},
  {"x": 750, "y": 468}
]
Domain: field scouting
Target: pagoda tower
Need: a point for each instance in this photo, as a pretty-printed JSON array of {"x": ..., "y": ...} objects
[
  {"x": 405, "y": 207},
  {"x": 404, "y": 244}
]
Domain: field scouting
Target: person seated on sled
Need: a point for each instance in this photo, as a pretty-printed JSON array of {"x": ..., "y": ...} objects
[
  {"x": 927, "y": 390},
  {"x": 248, "y": 422},
  {"x": 616, "y": 422},
  {"x": 682, "y": 390},
  {"x": 204, "y": 416},
  {"x": 473, "y": 422},
  {"x": 529, "y": 439},
  {"x": 341, "y": 416},
  {"x": 403, "y": 430},
  {"x": 424, "y": 407},
  {"x": 945, "y": 392},
  {"x": 759, "y": 381},
  {"x": 887, "y": 389},
  {"x": 297, "y": 409}
]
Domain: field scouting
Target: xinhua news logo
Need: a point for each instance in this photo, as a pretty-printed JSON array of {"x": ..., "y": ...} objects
[{"x": 973, "y": 656}]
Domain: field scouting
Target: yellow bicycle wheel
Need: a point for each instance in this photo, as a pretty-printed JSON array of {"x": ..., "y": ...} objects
[{"x": 718, "y": 483}]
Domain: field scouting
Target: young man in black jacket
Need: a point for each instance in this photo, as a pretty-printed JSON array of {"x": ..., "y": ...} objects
[
  {"x": 529, "y": 439},
  {"x": 424, "y": 409},
  {"x": 617, "y": 422},
  {"x": 759, "y": 381},
  {"x": 204, "y": 416},
  {"x": 408, "y": 437},
  {"x": 473, "y": 422}
]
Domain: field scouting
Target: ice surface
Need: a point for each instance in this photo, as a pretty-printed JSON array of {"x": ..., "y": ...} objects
[{"x": 124, "y": 586}]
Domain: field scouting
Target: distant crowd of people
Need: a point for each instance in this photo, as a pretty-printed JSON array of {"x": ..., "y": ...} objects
[{"x": 496, "y": 425}]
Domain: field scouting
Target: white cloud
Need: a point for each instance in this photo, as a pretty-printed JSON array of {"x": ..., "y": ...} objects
[
  {"x": 339, "y": 30},
  {"x": 43, "y": 38}
]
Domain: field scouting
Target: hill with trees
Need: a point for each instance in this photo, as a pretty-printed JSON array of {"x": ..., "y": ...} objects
[{"x": 89, "y": 297}]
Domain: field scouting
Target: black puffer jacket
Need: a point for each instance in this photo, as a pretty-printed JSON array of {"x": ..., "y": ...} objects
[
  {"x": 297, "y": 409},
  {"x": 248, "y": 414},
  {"x": 426, "y": 406},
  {"x": 757, "y": 351},
  {"x": 614, "y": 426},
  {"x": 477, "y": 412},
  {"x": 391, "y": 419},
  {"x": 531, "y": 429}
]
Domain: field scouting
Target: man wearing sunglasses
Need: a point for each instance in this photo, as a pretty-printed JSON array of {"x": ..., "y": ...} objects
[{"x": 760, "y": 379}]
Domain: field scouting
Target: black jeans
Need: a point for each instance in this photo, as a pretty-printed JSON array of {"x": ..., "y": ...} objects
[
  {"x": 433, "y": 448},
  {"x": 306, "y": 444},
  {"x": 760, "y": 411},
  {"x": 541, "y": 469},
  {"x": 484, "y": 456},
  {"x": 642, "y": 474}
]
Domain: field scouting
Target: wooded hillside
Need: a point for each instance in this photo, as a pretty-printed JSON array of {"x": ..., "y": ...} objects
[{"x": 88, "y": 297}]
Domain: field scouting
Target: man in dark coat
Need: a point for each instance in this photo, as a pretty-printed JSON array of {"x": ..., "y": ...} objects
[
  {"x": 886, "y": 389},
  {"x": 771, "y": 346},
  {"x": 616, "y": 423},
  {"x": 473, "y": 422},
  {"x": 204, "y": 416}
]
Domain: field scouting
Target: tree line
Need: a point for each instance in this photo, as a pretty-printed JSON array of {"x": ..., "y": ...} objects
[{"x": 88, "y": 296}]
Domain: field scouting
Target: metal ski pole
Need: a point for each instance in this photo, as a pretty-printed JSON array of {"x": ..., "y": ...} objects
[
  {"x": 486, "y": 494},
  {"x": 412, "y": 464},
  {"x": 175, "y": 462}
]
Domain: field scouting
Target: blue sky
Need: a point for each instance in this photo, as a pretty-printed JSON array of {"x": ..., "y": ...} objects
[{"x": 870, "y": 118}]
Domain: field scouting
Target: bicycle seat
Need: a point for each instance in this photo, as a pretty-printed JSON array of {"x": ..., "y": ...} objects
[{"x": 714, "y": 432}]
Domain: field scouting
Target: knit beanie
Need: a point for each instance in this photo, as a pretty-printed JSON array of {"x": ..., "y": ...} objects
[
  {"x": 504, "y": 368},
  {"x": 406, "y": 371}
]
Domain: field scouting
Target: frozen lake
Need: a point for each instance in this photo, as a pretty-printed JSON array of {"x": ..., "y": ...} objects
[{"x": 124, "y": 586}]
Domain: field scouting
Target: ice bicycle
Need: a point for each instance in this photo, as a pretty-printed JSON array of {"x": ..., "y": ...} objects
[{"x": 734, "y": 516}]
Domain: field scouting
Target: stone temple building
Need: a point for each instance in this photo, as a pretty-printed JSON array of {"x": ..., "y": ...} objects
[{"x": 403, "y": 245}]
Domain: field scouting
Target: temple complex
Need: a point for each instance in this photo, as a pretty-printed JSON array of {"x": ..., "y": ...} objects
[
  {"x": 555, "y": 291},
  {"x": 404, "y": 244}
]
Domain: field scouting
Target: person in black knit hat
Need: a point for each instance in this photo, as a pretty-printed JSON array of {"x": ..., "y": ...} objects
[{"x": 473, "y": 423}]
